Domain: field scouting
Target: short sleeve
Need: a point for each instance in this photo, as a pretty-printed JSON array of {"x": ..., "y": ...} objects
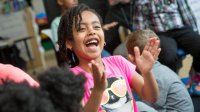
[{"x": 125, "y": 66}]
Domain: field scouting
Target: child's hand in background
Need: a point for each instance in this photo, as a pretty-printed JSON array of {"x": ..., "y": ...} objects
[{"x": 109, "y": 25}]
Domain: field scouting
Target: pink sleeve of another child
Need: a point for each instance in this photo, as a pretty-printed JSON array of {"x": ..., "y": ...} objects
[{"x": 9, "y": 72}]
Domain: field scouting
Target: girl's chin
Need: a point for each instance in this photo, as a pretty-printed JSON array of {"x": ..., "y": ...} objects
[{"x": 95, "y": 55}]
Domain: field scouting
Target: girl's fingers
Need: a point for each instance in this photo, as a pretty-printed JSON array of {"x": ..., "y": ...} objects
[
  {"x": 100, "y": 81},
  {"x": 137, "y": 52},
  {"x": 151, "y": 46},
  {"x": 95, "y": 70},
  {"x": 97, "y": 73},
  {"x": 147, "y": 45},
  {"x": 155, "y": 47},
  {"x": 104, "y": 79},
  {"x": 155, "y": 56}
]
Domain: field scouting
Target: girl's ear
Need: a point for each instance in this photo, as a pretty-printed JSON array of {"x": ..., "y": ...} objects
[{"x": 68, "y": 45}]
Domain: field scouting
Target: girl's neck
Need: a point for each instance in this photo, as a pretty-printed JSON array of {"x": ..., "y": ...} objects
[{"x": 85, "y": 65}]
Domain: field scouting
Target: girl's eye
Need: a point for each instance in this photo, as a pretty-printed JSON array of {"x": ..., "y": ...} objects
[
  {"x": 81, "y": 29},
  {"x": 97, "y": 27}
]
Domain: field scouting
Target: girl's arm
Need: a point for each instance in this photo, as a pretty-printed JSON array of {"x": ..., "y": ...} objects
[
  {"x": 146, "y": 85},
  {"x": 94, "y": 101},
  {"x": 100, "y": 84}
]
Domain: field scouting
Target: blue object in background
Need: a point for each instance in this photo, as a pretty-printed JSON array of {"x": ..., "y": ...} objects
[
  {"x": 105, "y": 53},
  {"x": 181, "y": 52},
  {"x": 40, "y": 15},
  {"x": 16, "y": 5},
  {"x": 193, "y": 89},
  {"x": 185, "y": 80}
]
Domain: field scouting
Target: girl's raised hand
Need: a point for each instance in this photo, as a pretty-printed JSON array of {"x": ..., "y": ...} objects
[
  {"x": 100, "y": 82},
  {"x": 146, "y": 60}
]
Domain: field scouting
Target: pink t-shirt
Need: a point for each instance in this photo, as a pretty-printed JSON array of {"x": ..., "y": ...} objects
[
  {"x": 118, "y": 96},
  {"x": 9, "y": 72}
]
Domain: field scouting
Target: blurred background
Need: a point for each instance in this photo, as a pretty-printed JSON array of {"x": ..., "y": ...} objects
[{"x": 25, "y": 35}]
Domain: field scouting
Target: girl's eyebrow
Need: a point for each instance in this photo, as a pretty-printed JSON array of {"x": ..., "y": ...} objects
[{"x": 94, "y": 22}]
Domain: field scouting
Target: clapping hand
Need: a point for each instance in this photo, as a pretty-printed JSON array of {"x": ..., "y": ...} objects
[
  {"x": 145, "y": 60},
  {"x": 100, "y": 82}
]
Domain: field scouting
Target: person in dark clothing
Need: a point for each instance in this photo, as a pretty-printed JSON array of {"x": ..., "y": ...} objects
[{"x": 172, "y": 21}]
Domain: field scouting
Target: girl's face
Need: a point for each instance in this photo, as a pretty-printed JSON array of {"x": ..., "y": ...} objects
[{"x": 89, "y": 39}]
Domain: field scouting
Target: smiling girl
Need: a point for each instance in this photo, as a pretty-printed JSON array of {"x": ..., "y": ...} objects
[{"x": 109, "y": 80}]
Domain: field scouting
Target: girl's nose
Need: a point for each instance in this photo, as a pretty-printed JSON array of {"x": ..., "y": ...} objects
[{"x": 91, "y": 33}]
